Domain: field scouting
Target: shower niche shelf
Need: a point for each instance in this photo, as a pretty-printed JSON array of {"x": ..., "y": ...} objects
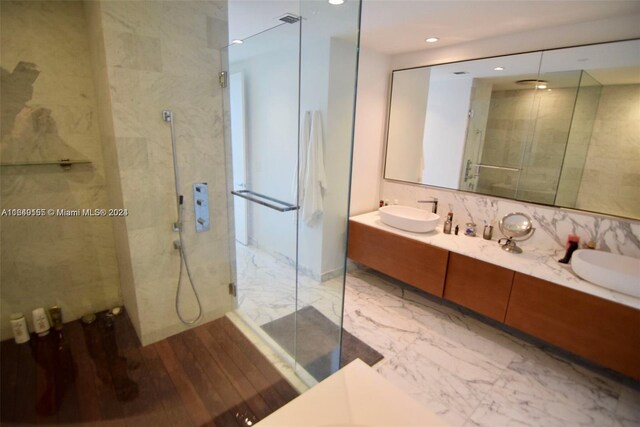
[{"x": 65, "y": 164}]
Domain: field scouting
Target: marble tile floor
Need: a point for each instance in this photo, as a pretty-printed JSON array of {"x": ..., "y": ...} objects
[
  {"x": 266, "y": 288},
  {"x": 472, "y": 374},
  {"x": 468, "y": 372}
]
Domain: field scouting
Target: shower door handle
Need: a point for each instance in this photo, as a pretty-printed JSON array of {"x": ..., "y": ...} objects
[{"x": 267, "y": 201}]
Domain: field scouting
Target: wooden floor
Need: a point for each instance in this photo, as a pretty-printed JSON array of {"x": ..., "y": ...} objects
[{"x": 100, "y": 375}]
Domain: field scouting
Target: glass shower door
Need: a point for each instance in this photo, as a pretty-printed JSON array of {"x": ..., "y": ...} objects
[
  {"x": 262, "y": 98},
  {"x": 290, "y": 107}
]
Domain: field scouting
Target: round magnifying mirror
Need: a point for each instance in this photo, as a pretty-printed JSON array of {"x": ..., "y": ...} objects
[{"x": 515, "y": 225}]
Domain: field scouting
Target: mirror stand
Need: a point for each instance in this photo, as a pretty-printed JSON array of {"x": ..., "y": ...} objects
[{"x": 509, "y": 245}]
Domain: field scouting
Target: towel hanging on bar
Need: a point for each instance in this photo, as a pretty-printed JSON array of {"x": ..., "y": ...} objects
[
  {"x": 300, "y": 172},
  {"x": 313, "y": 175}
]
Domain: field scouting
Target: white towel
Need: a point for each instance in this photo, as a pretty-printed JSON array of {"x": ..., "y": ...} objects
[
  {"x": 299, "y": 174},
  {"x": 315, "y": 180}
]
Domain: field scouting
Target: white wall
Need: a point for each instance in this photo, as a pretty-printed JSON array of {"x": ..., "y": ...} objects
[
  {"x": 342, "y": 80},
  {"x": 371, "y": 115},
  {"x": 327, "y": 85},
  {"x": 569, "y": 35},
  {"x": 407, "y": 124},
  {"x": 445, "y": 126},
  {"x": 314, "y": 80},
  {"x": 371, "y": 72},
  {"x": 271, "y": 96}
]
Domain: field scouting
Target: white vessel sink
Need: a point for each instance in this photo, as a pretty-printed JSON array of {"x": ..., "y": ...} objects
[
  {"x": 408, "y": 218},
  {"x": 616, "y": 272}
]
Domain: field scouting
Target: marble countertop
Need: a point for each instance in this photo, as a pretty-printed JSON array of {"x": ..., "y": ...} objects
[
  {"x": 537, "y": 263},
  {"x": 355, "y": 396}
]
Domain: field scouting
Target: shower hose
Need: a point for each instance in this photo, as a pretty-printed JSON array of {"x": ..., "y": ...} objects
[{"x": 168, "y": 116}]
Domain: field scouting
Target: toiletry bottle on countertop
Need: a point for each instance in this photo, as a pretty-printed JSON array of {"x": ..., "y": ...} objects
[
  {"x": 572, "y": 244},
  {"x": 470, "y": 229},
  {"x": 487, "y": 234},
  {"x": 448, "y": 223}
]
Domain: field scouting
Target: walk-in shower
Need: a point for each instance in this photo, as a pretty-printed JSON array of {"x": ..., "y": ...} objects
[
  {"x": 118, "y": 204},
  {"x": 290, "y": 111}
]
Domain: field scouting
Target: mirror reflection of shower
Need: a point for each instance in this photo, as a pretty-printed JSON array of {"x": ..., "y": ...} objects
[{"x": 520, "y": 130}]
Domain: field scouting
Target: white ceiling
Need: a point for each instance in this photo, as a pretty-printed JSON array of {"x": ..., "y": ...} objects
[{"x": 398, "y": 26}]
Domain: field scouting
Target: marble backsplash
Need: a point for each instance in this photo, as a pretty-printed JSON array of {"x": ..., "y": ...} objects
[{"x": 553, "y": 225}]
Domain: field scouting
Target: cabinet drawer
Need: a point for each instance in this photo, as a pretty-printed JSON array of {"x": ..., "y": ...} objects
[
  {"x": 478, "y": 285},
  {"x": 599, "y": 330},
  {"x": 416, "y": 263}
]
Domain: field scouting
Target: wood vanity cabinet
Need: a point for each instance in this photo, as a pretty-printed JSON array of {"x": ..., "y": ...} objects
[
  {"x": 602, "y": 331},
  {"x": 479, "y": 286},
  {"x": 599, "y": 330},
  {"x": 416, "y": 263}
]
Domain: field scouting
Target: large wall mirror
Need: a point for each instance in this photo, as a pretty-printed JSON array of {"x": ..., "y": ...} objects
[{"x": 558, "y": 127}]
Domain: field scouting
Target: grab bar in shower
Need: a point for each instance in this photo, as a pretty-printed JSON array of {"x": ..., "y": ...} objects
[{"x": 255, "y": 197}]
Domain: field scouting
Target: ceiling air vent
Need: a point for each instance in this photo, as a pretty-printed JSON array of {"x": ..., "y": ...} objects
[{"x": 289, "y": 18}]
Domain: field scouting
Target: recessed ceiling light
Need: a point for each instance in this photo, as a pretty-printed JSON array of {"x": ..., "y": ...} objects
[
  {"x": 236, "y": 41},
  {"x": 499, "y": 69},
  {"x": 336, "y": 2},
  {"x": 541, "y": 86},
  {"x": 431, "y": 39}
]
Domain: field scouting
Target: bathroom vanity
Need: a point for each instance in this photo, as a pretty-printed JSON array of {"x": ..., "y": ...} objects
[{"x": 530, "y": 292}]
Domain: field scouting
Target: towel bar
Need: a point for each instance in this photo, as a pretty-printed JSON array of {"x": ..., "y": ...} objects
[{"x": 247, "y": 194}]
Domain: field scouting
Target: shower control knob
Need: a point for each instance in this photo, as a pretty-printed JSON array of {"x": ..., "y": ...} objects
[{"x": 201, "y": 206}]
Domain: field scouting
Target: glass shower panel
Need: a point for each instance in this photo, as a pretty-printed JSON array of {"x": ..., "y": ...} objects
[
  {"x": 290, "y": 110},
  {"x": 555, "y": 98},
  {"x": 263, "y": 116},
  {"x": 329, "y": 56},
  {"x": 584, "y": 115}
]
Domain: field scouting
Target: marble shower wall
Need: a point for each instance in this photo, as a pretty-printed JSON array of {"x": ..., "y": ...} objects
[
  {"x": 157, "y": 56},
  {"x": 519, "y": 116},
  {"x": 552, "y": 225},
  {"x": 49, "y": 112},
  {"x": 613, "y": 178}
]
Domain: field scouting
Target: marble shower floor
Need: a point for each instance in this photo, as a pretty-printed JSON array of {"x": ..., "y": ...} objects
[
  {"x": 266, "y": 288},
  {"x": 469, "y": 373}
]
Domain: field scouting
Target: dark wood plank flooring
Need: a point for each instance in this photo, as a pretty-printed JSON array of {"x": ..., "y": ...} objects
[{"x": 99, "y": 374}]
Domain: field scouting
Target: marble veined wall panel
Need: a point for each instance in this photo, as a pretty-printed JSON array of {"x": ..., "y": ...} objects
[
  {"x": 166, "y": 56},
  {"x": 613, "y": 160},
  {"x": 49, "y": 112}
]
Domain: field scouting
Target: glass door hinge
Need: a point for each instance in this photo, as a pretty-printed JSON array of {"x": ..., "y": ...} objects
[{"x": 222, "y": 79}]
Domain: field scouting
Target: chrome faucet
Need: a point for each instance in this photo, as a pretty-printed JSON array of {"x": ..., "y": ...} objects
[{"x": 435, "y": 204}]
